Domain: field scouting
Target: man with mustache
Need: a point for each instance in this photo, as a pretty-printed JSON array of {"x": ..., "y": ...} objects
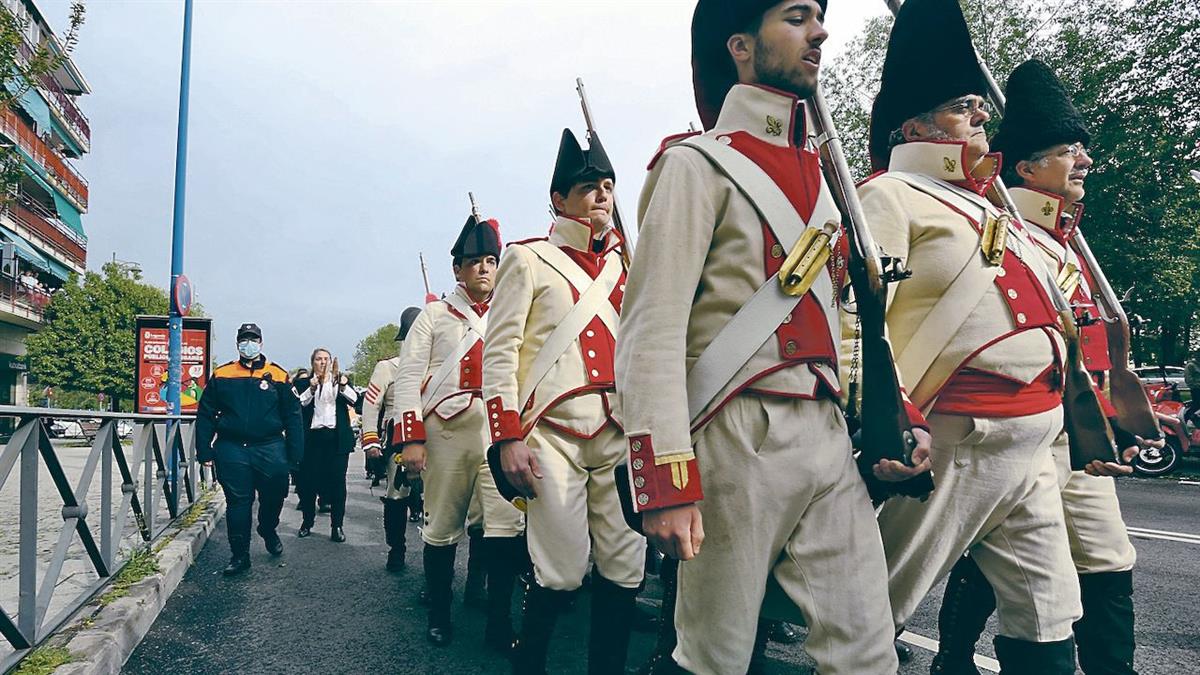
[
  {"x": 442, "y": 426},
  {"x": 739, "y": 456},
  {"x": 978, "y": 346},
  {"x": 1044, "y": 142}
]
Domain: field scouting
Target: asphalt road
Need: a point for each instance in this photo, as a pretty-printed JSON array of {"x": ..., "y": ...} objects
[{"x": 330, "y": 608}]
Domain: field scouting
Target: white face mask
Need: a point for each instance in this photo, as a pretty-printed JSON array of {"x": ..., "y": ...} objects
[{"x": 249, "y": 349}]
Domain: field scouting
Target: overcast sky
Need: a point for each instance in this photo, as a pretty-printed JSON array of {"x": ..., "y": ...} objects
[{"x": 332, "y": 141}]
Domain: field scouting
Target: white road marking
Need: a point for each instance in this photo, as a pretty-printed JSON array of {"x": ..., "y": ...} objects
[
  {"x": 986, "y": 662},
  {"x": 1164, "y": 535},
  {"x": 1189, "y": 482}
]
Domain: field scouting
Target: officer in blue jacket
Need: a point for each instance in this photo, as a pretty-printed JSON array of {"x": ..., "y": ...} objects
[{"x": 250, "y": 408}]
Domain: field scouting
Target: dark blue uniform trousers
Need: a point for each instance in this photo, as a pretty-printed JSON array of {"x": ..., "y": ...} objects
[{"x": 243, "y": 470}]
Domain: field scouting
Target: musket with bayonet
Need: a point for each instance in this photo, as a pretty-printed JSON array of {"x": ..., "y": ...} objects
[
  {"x": 887, "y": 431},
  {"x": 1087, "y": 427},
  {"x": 618, "y": 224}
]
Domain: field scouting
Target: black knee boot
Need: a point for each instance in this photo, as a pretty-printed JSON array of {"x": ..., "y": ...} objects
[
  {"x": 660, "y": 661},
  {"x": 475, "y": 591},
  {"x": 612, "y": 616},
  {"x": 1021, "y": 657},
  {"x": 1105, "y": 633},
  {"x": 395, "y": 523},
  {"x": 439, "y": 575},
  {"x": 966, "y": 606},
  {"x": 505, "y": 559},
  {"x": 542, "y": 607}
]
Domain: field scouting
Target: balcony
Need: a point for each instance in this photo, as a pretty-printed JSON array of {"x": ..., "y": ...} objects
[
  {"x": 61, "y": 172},
  {"x": 46, "y": 229},
  {"x": 62, "y": 102},
  {"x": 22, "y": 301}
]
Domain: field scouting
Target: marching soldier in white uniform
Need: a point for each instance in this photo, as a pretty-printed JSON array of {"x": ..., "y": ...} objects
[
  {"x": 378, "y": 418},
  {"x": 978, "y": 345},
  {"x": 548, "y": 382},
  {"x": 441, "y": 423},
  {"x": 1044, "y": 143},
  {"x": 739, "y": 455}
]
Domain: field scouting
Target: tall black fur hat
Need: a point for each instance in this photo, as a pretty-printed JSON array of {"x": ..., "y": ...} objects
[
  {"x": 930, "y": 60},
  {"x": 1039, "y": 114},
  {"x": 477, "y": 239},
  {"x": 407, "y": 317},
  {"x": 574, "y": 164},
  {"x": 713, "y": 72}
]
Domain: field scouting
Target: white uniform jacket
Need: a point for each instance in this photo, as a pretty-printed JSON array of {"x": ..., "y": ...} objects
[
  {"x": 538, "y": 285},
  {"x": 703, "y": 252},
  {"x": 379, "y": 408},
  {"x": 450, "y": 329},
  {"x": 1004, "y": 340}
]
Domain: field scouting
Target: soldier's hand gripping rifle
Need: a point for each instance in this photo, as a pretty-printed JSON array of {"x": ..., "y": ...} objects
[
  {"x": 618, "y": 224},
  {"x": 886, "y": 431},
  {"x": 1087, "y": 428}
]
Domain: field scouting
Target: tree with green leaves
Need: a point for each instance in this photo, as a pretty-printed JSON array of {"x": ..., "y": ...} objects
[
  {"x": 1131, "y": 68},
  {"x": 372, "y": 349},
  {"x": 19, "y": 72},
  {"x": 88, "y": 342}
]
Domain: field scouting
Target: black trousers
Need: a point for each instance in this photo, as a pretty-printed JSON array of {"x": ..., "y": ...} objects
[
  {"x": 323, "y": 473},
  {"x": 244, "y": 470}
]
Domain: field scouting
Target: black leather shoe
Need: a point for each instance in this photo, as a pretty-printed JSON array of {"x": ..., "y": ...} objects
[
  {"x": 274, "y": 546},
  {"x": 439, "y": 636},
  {"x": 396, "y": 561},
  {"x": 324, "y": 508},
  {"x": 375, "y": 481},
  {"x": 903, "y": 652},
  {"x": 305, "y": 530},
  {"x": 337, "y": 534},
  {"x": 781, "y": 632},
  {"x": 237, "y": 565},
  {"x": 414, "y": 517}
]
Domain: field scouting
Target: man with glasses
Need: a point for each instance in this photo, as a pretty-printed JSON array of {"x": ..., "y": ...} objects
[
  {"x": 978, "y": 347},
  {"x": 1044, "y": 142}
]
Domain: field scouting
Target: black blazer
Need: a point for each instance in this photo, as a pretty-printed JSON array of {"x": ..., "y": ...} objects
[{"x": 345, "y": 434}]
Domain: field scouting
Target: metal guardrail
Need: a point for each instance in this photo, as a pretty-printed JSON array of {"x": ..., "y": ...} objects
[{"x": 163, "y": 452}]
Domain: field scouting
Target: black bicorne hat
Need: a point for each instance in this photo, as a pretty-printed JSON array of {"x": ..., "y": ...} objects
[
  {"x": 930, "y": 60},
  {"x": 574, "y": 164},
  {"x": 407, "y": 317},
  {"x": 713, "y": 72},
  {"x": 1039, "y": 114},
  {"x": 477, "y": 239}
]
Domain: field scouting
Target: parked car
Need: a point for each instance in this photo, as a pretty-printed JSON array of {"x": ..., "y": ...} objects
[{"x": 1160, "y": 375}]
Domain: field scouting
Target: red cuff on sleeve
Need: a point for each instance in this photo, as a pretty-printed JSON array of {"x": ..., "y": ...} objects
[
  {"x": 664, "y": 485},
  {"x": 503, "y": 425},
  {"x": 408, "y": 430}
]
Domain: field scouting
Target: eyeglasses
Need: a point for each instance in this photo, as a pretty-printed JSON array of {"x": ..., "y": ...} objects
[
  {"x": 1073, "y": 150},
  {"x": 966, "y": 107}
]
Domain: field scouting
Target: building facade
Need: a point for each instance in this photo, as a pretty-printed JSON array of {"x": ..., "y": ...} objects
[{"x": 41, "y": 229}]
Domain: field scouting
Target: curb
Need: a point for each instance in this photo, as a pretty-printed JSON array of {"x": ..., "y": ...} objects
[{"x": 100, "y": 639}]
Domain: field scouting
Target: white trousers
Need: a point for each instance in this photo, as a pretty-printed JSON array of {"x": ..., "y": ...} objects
[
  {"x": 456, "y": 462},
  {"x": 783, "y": 499},
  {"x": 577, "y": 510},
  {"x": 1095, "y": 528},
  {"x": 996, "y": 495}
]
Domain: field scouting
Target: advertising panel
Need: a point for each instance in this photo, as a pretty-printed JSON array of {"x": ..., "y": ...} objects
[{"x": 152, "y": 359}]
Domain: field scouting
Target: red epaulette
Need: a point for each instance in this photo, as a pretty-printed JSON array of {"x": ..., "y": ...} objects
[
  {"x": 668, "y": 142},
  {"x": 870, "y": 178},
  {"x": 526, "y": 241}
]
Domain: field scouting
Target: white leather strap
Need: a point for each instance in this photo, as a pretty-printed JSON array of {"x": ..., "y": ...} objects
[
  {"x": 477, "y": 323},
  {"x": 592, "y": 302},
  {"x": 756, "y": 321},
  {"x": 574, "y": 274},
  {"x": 475, "y": 332}
]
